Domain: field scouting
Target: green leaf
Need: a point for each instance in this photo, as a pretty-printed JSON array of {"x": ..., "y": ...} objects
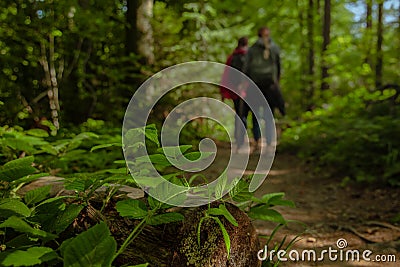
[
  {"x": 36, "y": 195},
  {"x": 222, "y": 210},
  {"x": 9, "y": 207},
  {"x": 240, "y": 192},
  {"x": 140, "y": 265},
  {"x": 152, "y": 134},
  {"x": 270, "y": 199},
  {"x": 53, "y": 199},
  {"x": 29, "y": 257},
  {"x": 75, "y": 184},
  {"x": 272, "y": 196},
  {"x": 105, "y": 146},
  {"x": 169, "y": 193},
  {"x": 225, "y": 234},
  {"x": 122, "y": 161},
  {"x": 37, "y": 132},
  {"x": 85, "y": 135},
  {"x": 94, "y": 247},
  {"x": 66, "y": 217},
  {"x": 266, "y": 214},
  {"x": 198, "y": 155},
  {"x": 174, "y": 150},
  {"x": 199, "y": 230},
  {"x": 29, "y": 178},
  {"x": 20, "y": 145},
  {"x": 165, "y": 218},
  {"x": 20, "y": 225},
  {"x": 80, "y": 182},
  {"x": 155, "y": 159},
  {"x": 55, "y": 215},
  {"x": 17, "y": 169},
  {"x": 22, "y": 240},
  {"x": 56, "y": 33},
  {"x": 282, "y": 202},
  {"x": 159, "y": 159},
  {"x": 132, "y": 208},
  {"x": 114, "y": 171},
  {"x": 221, "y": 185},
  {"x": 274, "y": 199},
  {"x": 49, "y": 149},
  {"x": 132, "y": 134}
]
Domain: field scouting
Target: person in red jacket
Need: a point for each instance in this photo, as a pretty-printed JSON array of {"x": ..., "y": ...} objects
[{"x": 231, "y": 80}]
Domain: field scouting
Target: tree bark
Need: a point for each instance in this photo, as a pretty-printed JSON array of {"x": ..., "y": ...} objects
[
  {"x": 139, "y": 32},
  {"x": 379, "y": 52},
  {"x": 368, "y": 31},
  {"x": 303, "y": 58},
  {"x": 311, "y": 57},
  {"x": 326, "y": 41},
  {"x": 369, "y": 14},
  {"x": 51, "y": 79}
]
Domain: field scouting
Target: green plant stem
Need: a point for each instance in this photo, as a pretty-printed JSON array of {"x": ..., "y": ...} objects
[{"x": 135, "y": 232}]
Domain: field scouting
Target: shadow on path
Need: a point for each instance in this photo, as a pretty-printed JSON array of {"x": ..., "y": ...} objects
[{"x": 359, "y": 214}]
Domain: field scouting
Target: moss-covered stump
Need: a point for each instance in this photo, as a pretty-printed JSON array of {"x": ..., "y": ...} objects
[
  {"x": 175, "y": 244},
  {"x": 212, "y": 251}
]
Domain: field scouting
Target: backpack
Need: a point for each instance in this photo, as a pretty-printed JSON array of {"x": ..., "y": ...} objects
[
  {"x": 262, "y": 69},
  {"x": 237, "y": 61}
]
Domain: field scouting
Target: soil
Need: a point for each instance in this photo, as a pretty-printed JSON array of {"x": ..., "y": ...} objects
[{"x": 361, "y": 214}]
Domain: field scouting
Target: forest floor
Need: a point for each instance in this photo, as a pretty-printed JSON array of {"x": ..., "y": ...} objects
[{"x": 361, "y": 214}]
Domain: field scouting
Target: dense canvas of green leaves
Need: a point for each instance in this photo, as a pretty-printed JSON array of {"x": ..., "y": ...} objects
[{"x": 68, "y": 71}]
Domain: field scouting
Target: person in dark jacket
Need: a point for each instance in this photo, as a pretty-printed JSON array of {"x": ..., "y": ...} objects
[
  {"x": 231, "y": 80},
  {"x": 263, "y": 66}
]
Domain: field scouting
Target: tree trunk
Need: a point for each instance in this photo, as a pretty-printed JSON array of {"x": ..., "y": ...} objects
[
  {"x": 369, "y": 14},
  {"x": 51, "y": 79},
  {"x": 379, "y": 52},
  {"x": 310, "y": 41},
  {"x": 326, "y": 40},
  {"x": 368, "y": 31},
  {"x": 139, "y": 32},
  {"x": 303, "y": 59},
  {"x": 318, "y": 7}
]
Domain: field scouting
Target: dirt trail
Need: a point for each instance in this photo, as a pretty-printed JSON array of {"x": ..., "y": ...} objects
[{"x": 357, "y": 213}]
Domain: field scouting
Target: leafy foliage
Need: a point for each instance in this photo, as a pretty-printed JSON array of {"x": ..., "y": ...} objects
[
  {"x": 80, "y": 49},
  {"x": 94, "y": 247},
  {"x": 29, "y": 257},
  {"x": 356, "y": 136},
  {"x": 35, "y": 221}
]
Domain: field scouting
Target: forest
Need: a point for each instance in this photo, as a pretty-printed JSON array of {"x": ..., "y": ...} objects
[{"x": 74, "y": 192}]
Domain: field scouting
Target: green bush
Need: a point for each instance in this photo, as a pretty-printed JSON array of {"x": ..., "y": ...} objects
[
  {"x": 356, "y": 136},
  {"x": 35, "y": 228}
]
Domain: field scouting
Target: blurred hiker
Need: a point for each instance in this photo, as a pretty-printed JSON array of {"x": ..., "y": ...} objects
[
  {"x": 263, "y": 66},
  {"x": 231, "y": 80}
]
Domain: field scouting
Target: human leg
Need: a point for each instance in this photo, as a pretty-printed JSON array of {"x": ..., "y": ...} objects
[
  {"x": 243, "y": 111},
  {"x": 269, "y": 125},
  {"x": 256, "y": 127}
]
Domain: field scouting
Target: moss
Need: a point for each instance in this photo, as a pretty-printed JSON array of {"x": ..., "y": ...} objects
[{"x": 201, "y": 256}]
